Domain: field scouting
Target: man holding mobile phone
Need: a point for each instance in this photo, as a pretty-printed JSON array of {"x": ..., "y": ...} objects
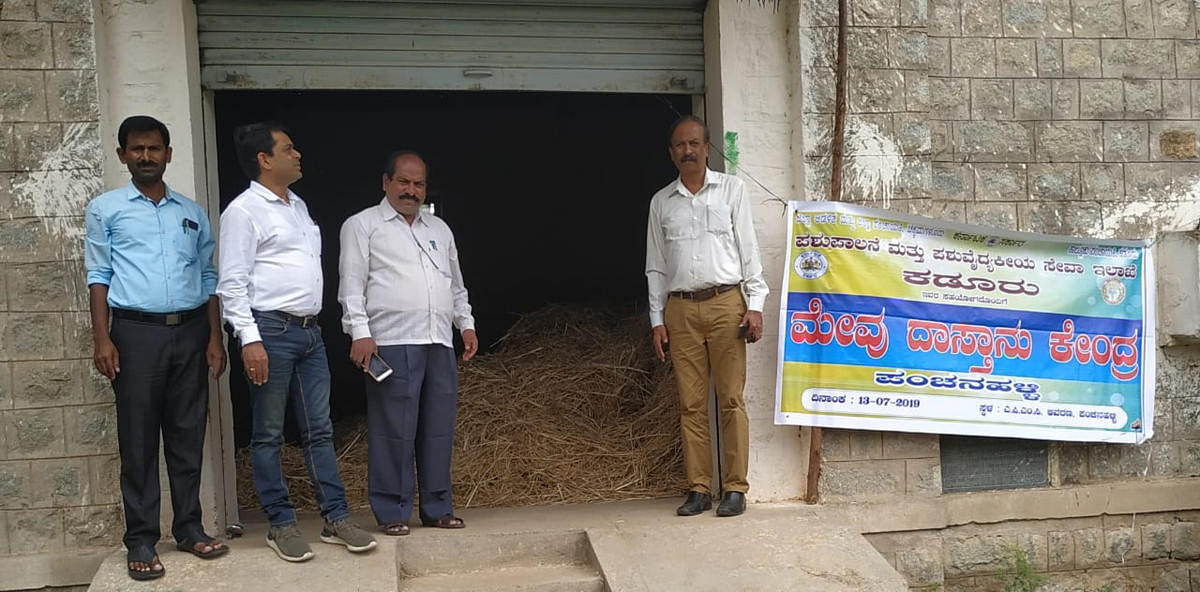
[
  {"x": 706, "y": 299},
  {"x": 402, "y": 293}
]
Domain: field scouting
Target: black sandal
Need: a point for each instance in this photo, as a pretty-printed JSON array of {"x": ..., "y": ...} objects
[
  {"x": 395, "y": 529},
  {"x": 189, "y": 546},
  {"x": 147, "y": 556},
  {"x": 447, "y": 521}
]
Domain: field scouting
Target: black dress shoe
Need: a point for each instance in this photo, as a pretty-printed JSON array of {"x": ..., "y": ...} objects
[
  {"x": 695, "y": 503},
  {"x": 733, "y": 503}
]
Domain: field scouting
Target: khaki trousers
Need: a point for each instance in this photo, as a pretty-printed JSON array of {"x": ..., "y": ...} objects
[{"x": 703, "y": 336}]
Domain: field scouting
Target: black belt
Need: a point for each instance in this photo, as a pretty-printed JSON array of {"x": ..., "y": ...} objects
[
  {"x": 705, "y": 294},
  {"x": 169, "y": 319},
  {"x": 291, "y": 319}
]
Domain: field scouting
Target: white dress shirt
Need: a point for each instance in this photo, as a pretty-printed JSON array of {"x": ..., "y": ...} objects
[
  {"x": 401, "y": 283},
  {"x": 703, "y": 240},
  {"x": 270, "y": 259}
]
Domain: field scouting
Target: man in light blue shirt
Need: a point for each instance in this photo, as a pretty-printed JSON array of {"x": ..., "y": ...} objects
[{"x": 148, "y": 255}]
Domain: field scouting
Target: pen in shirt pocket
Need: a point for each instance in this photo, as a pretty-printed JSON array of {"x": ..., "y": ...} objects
[{"x": 189, "y": 224}]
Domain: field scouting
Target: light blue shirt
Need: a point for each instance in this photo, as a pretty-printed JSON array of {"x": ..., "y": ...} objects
[{"x": 153, "y": 257}]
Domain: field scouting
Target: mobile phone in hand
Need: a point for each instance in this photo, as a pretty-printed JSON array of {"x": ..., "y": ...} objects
[
  {"x": 742, "y": 330},
  {"x": 377, "y": 368}
]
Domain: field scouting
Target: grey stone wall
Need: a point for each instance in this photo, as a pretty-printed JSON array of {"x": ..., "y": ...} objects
[
  {"x": 1174, "y": 451},
  {"x": 1067, "y": 116},
  {"x": 58, "y": 465},
  {"x": 1076, "y": 117},
  {"x": 1125, "y": 552}
]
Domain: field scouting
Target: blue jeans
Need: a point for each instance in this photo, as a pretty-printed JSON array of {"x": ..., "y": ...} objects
[{"x": 297, "y": 370}]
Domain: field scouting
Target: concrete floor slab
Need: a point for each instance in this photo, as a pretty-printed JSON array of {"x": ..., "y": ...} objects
[{"x": 639, "y": 546}]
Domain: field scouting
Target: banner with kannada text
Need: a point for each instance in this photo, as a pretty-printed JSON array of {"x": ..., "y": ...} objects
[{"x": 897, "y": 322}]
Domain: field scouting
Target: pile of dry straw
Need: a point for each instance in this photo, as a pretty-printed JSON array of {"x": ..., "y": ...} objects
[{"x": 571, "y": 406}]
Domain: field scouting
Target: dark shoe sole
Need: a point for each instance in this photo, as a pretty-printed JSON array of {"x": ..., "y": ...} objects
[
  {"x": 398, "y": 529},
  {"x": 727, "y": 512},
  {"x": 448, "y": 521},
  {"x": 190, "y": 547},
  {"x": 688, "y": 512},
  {"x": 143, "y": 576}
]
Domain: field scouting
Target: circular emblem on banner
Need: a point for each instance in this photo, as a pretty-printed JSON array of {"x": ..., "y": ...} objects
[
  {"x": 1113, "y": 291},
  {"x": 811, "y": 265}
]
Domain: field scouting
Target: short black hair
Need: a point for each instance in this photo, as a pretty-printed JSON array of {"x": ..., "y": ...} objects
[
  {"x": 684, "y": 119},
  {"x": 389, "y": 166},
  {"x": 252, "y": 138},
  {"x": 142, "y": 123}
]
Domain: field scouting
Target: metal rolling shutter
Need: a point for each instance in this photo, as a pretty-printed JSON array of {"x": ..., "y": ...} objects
[{"x": 653, "y": 46}]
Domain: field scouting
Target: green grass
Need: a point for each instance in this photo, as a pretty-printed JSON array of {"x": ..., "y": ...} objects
[{"x": 1017, "y": 573}]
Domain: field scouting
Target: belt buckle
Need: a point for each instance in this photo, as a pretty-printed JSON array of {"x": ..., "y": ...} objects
[{"x": 173, "y": 319}]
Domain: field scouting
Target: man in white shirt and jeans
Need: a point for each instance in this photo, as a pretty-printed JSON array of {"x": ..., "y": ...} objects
[
  {"x": 270, "y": 285},
  {"x": 706, "y": 299},
  {"x": 402, "y": 294}
]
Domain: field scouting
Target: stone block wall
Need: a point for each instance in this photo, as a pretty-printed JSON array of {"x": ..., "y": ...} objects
[
  {"x": 888, "y": 138},
  {"x": 1067, "y": 116},
  {"x": 1076, "y": 117},
  {"x": 58, "y": 465},
  {"x": 861, "y": 465},
  {"x": 1125, "y": 552},
  {"x": 1174, "y": 451}
]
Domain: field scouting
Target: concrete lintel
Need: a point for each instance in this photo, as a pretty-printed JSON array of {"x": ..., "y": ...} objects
[
  {"x": 59, "y": 568},
  {"x": 1127, "y": 497},
  {"x": 1130, "y": 497}
]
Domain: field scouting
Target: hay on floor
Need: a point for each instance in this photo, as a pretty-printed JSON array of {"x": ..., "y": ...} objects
[{"x": 570, "y": 407}]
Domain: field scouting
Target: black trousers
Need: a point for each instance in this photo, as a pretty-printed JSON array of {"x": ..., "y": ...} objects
[{"x": 162, "y": 388}]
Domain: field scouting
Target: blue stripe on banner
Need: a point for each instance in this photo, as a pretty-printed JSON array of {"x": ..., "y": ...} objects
[
  {"x": 952, "y": 313},
  {"x": 1039, "y": 325}
]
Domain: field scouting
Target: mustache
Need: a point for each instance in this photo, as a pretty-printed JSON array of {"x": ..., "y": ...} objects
[
  {"x": 688, "y": 158},
  {"x": 408, "y": 196}
]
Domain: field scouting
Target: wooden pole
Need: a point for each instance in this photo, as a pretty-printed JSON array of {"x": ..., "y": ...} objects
[{"x": 811, "y": 493}]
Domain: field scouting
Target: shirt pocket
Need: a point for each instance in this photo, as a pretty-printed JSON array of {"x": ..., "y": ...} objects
[
  {"x": 719, "y": 219},
  {"x": 677, "y": 225},
  {"x": 438, "y": 253},
  {"x": 187, "y": 245}
]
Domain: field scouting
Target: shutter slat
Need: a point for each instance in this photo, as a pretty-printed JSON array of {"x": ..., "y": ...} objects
[
  {"x": 588, "y": 46},
  {"x": 439, "y": 78}
]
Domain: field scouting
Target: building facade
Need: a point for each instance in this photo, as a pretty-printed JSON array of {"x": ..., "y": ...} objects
[{"x": 1072, "y": 117}]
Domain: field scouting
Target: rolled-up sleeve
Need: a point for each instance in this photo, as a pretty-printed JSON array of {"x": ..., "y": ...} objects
[
  {"x": 97, "y": 248},
  {"x": 353, "y": 265},
  {"x": 239, "y": 244}
]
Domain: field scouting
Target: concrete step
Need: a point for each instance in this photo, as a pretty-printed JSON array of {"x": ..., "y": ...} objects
[
  {"x": 526, "y": 578},
  {"x": 465, "y": 551}
]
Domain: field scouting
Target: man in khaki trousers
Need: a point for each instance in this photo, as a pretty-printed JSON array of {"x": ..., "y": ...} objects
[{"x": 706, "y": 299}]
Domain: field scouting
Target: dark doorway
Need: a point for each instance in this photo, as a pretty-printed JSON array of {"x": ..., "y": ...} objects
[{"x": 547, "y": 193}]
